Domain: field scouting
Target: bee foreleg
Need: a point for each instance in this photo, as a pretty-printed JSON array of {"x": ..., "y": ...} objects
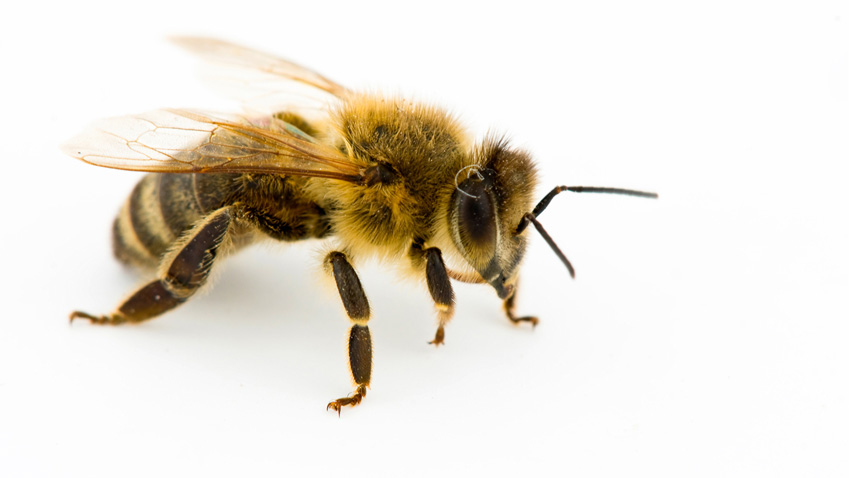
[
  {"x": 185, "y": 270},
  {"x": 359, "y": 339},
  {"x": 509, "y": 306},
  {"x": 441, "y": 290}
]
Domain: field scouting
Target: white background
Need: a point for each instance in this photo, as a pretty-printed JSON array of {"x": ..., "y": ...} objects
[{"x": 706, "y": 333}]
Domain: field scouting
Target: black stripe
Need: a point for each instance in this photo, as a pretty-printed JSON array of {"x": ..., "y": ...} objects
[
  {"x": 148, "y": 238},
  {"x": 122, "y": 250},
  {"x": 212, "y": 190},
  {"x": 197, "y": 196},
  {"x": 178, "y": 202}
]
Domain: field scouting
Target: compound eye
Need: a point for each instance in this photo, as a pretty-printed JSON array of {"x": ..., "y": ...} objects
[{"x": 476, "y": 218}]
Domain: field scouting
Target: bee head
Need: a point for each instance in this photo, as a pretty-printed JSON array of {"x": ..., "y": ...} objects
[
  {"x": 488, "y": 203},
  {"x": 490, "y": 209}
]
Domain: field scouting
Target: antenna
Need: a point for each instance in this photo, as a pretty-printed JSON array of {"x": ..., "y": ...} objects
[{"x": 531, "y": 217}]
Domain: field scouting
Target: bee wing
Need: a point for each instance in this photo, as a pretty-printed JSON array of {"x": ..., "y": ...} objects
[
  {"x": 183, "y": 141},
  {"x": 263, "y": 83}
]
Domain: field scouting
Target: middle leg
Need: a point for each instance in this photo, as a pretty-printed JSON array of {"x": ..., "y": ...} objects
[{"x": 359, "y": 339}]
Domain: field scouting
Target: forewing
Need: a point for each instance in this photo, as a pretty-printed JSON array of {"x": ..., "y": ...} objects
[
  {"x": 183, "y": 141},
  {"x": 262, "y": 82}
]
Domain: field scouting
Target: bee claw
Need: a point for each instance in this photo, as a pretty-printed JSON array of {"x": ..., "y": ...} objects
[
  {"x": 517, "y": 320},
  {"x": 335, "y": 407},
  {"x": 113, "y": 319},
  {"x": 350, "y": 401},
  {"x": 91, "y": 318}
]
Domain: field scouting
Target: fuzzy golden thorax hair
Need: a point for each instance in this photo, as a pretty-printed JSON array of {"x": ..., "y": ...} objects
[{"x": 426, "y": 183}]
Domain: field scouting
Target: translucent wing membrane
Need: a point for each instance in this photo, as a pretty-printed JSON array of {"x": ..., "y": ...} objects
[
  {"x": 182, "y": 141},
  {"x": 262, "y": 82}
]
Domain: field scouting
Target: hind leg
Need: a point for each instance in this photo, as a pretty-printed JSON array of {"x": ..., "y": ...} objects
[{"x": 184, "y": 271}]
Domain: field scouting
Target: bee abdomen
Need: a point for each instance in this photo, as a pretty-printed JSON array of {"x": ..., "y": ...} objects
[{"x": 159, "y": 210}]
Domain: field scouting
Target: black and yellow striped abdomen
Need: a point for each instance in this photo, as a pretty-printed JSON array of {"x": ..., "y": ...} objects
[
  {"x": 161, "y": 208},
  {"x": 164, "y": 207}
]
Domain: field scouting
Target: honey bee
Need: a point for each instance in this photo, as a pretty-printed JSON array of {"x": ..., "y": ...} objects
[{"x": 375, "y": 175}]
